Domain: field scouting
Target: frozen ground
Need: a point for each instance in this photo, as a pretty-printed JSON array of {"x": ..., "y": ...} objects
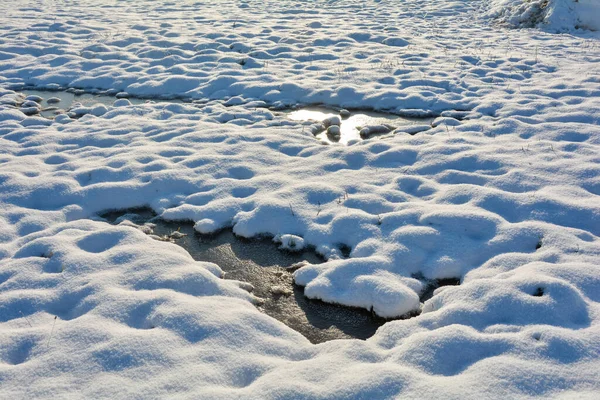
[{"x": 503, "y": 192}]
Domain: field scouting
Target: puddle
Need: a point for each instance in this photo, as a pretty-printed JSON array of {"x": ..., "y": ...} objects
[
  {"x": 355, "y": 126},
  {"x": 260, "y": 263},
  {"x": 58, "y": 102}
]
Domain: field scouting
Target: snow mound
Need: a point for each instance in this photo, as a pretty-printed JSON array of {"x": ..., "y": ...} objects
[
  {"x": 553, "y": 15},
  {"x": 289, "y": 242}
]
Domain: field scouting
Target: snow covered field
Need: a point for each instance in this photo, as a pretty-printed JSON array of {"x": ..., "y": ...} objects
[{"x": 503, "y": 192}]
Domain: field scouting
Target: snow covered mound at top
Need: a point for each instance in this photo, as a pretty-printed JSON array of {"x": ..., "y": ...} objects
[{"x": 554, "y": 15}]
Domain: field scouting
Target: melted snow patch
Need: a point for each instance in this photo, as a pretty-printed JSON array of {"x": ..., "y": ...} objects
[{"x": 348, "y": 127}]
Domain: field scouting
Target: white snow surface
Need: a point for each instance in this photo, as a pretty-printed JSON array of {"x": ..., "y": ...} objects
[{"x": 505, "y": 197}]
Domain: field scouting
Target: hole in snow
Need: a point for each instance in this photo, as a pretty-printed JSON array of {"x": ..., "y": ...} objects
[
  {"x": 432, "y": 285},
  {"x": 345, "y": 250},
  {"x": 260, "y": 263}
]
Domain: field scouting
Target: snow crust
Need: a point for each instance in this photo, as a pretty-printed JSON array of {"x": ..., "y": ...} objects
[{"x": 503, "y": 191}]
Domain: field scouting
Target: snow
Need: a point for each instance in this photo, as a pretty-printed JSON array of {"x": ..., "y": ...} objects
[
  {"x": 501, "y": 190},
  {"x": 289, "y": 242}
]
